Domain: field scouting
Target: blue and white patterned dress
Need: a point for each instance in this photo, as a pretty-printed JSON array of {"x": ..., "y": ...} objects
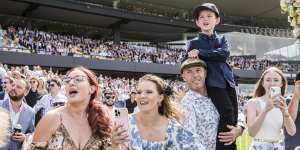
[
  {"x": 177, "y": 138},
  {"x": 201, "y": 118}
]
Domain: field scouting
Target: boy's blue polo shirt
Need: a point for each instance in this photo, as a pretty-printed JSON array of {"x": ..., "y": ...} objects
[{"x": 214, "y": 51}]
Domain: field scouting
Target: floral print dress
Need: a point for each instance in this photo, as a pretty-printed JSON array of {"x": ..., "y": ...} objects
[{"x": 177, "y": 138}]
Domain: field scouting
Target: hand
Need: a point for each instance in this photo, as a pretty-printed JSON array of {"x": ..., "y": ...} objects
[
  {"x": 193, "y": 53},
  {"x": 269, "y": 104},
  {"x": 229, "y": 137},
  {"x": 19, "y": 137},
  {"x": 119, "y": 135},
  {"x": 282, "y": 105}
]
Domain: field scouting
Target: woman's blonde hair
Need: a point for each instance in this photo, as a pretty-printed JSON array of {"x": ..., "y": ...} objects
[
  {"x": 169, "y": 106},
  {"x": 260, "y": 90},
  {"x": 4, "y": 126}
]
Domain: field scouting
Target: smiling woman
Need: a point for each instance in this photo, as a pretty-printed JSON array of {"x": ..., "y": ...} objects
[
  {"x": 82, "y": 112},
  {"x": 267, "y": 113},
  {"x": 157, "y": 124}
]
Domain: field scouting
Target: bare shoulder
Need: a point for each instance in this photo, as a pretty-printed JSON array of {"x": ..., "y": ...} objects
[
  {"x": 253, "y": 101},
  {"x": 47, "y": 125},
  {"x": 253, "y": 104}
]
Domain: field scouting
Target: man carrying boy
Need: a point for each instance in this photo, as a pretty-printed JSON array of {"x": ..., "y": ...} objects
[{"x": 213, "y": 49}]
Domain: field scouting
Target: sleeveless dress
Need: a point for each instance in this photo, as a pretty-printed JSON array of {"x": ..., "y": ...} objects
[
  {"x": 270, "y": 134},
  {"x": 61, "y": 140}
]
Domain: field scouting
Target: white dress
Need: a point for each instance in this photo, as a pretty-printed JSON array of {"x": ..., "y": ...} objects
[{"x": 270, "y": 134}]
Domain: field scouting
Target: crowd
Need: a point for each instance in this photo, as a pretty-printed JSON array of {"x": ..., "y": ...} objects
[
  {"x": 46, "y": 91},
  {"x": 40, "y": 42},
  {"x": 121, "y": 86},
  {"x": 251, "y": 63}
]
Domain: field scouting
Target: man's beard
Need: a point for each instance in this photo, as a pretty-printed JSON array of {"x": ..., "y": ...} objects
[
  {"x": 16, "y": 97},
  {"x": 110, "y": 104}
]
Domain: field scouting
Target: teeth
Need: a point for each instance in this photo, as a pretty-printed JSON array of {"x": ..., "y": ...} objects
[
  {"x": 143, "y": 103},
  {"x": 72, "y": 93}
]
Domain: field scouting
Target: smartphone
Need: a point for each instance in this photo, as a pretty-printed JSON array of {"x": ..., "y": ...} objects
[
  {"x": 17, "y": 129},
  {"x": 275, "y": 93},
  {"x": 121, "y": 117}
]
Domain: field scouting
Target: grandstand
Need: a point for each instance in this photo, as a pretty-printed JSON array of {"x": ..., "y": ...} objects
[
  {"x": 155, "y": 22},
  {"x": 94, "y": 29}
]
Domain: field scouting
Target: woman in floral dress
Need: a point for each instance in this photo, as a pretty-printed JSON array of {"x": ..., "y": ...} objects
[{"x": 157, "y": 124}]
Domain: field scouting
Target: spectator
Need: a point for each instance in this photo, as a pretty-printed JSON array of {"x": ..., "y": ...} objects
[
  {"x": 201, "y": 116},
  {"x": 109, "y": 101},
  {"x": 266, "y": 116},
  {"x": 2, "y": 74},
  {"x": 42, "y": 86},
  {"x": 16, "y": 74},
  {"x": 81, "y": 113},
  {"x": 157, "y": 114},
  {"x": 130, "y": 102},
  {"x": 7, "y": 85},
  {"x": 50, "y": 101},
  {"x": 33, "y": 96},
  {"x": 20, "y": 115}
]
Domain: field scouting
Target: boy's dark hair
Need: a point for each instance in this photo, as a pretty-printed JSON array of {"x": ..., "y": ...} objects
[{"x": 205, "y": 6}]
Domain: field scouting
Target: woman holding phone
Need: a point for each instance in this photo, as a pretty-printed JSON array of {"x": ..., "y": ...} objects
[
  {"x": 156, "y": 125},
  {"x": 267, "y": 113}
]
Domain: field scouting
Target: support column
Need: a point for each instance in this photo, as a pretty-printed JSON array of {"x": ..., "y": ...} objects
[{"x": 117, "y": 35}]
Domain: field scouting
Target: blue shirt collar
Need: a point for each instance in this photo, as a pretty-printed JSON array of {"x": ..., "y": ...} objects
[{"x": 204, "y": 36}]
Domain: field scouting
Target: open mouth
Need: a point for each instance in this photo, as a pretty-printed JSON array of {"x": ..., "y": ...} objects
[
  {"x": 197, "y": 81},
  {"x": 144, "y": 103},
  {"x": 205, "y": 24},
  {"x": 73, "y": 93}
]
